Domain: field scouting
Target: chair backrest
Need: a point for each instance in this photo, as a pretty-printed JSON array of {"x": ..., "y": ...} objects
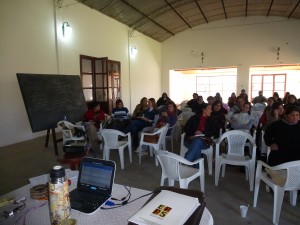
[
  {"x": 162, "y": 133},
  {"x": 236, "y": 140},
  {"x": 169, "y": 163},
  {"x": 183, "y": 149},
  {"x": 110, "y": 137},
  {"x": 293, "y": 174},
  {"x": 69, "y": 132}
]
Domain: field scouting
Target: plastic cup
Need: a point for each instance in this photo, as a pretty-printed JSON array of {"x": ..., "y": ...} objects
[{"x": 244, "y": 210}]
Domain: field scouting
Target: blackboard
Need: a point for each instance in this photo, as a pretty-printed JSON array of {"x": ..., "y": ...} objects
[{"x": 49, "y": 98}]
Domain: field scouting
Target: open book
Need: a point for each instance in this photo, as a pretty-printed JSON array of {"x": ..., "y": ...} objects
[{"x": 166, "y": 208}]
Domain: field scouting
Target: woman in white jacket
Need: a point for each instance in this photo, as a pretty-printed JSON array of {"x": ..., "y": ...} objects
[{"x": 243, "y": 120}]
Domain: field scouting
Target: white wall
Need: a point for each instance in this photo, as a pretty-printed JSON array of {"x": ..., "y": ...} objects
[
  {"x": 241, "y": 42},
  {"x": 28, "y": 45}
]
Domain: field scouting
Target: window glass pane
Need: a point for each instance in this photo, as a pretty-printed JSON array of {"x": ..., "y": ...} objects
[
  {"x": 268, "y": 79},
  {"x": 98, "y": 66},
  {"x": 280, "y": 78},
  {"x": 101, "y": 95},
  {"x": 268, "y": 94},
  {"x": 86, "y": 66},
  {"x": 87, "y": 81},
  {"x": 256, "y": 88},
  {"x": 88, "y": 94},
  {"x": 256, "y": 79},
  {"x": 279, "y": 87},
  {"x": 268, "y": 87},
  {"x": 99, "y": 81}
]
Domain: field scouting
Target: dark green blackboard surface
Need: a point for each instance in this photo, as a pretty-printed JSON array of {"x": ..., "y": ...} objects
[{"x": 48, "y": 98}]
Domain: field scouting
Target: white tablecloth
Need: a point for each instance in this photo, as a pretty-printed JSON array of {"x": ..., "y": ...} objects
[{"x": 37, "y": 212}]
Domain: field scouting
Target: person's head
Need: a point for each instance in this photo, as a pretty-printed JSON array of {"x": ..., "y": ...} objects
[
  {"x": 152, "y": 103},
  {"x": 195, "y": 96},
  {"x": 210, "y": 100},
  {"x": 144, "y": 101},
  {"x": 279, "y": 107},
  {"x": 216, "y": 106},
  {"x": 246, "y": 107},
  {"x": 164, "y": 96},
  {"x": 260, "y": 93},
  {"x": 276, "y": 95},
  {"x": 243, "y": 91},
  {"x": 240, "y": 101},
  {"x": 200, "y": 99},
  {"x": 96, "y": 106},
  {"x": 291, "y": 114},
  {"x": 233, "y": 95},
  {"x": 119, "y": 103},
  {"x": 270, "y": 101},
  {"x": 291, "y": 99},
  {"x": 287, "y": 94},
  {"x": 171, "y": 106},
  {"x": 206, "y": 109}
]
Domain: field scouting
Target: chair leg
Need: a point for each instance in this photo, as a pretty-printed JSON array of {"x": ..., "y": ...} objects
[
  {"x": 251, "y": 176},
  {"x": 217, "y": 171},
  {"x": 130, "y": 153},
  {"x": 223, "y": 169},
  {"x": 171, "y": 182},
  {"x": 183, "y": 183},
  {"x": 293, "y": 197},
  {"x": 202, "y": 178},
  {"x": 278, "y": 199},
  {"x": 256, "y": 190},
  {"x": 121, "y": 154},
  {"x": 209, "y": 161}
]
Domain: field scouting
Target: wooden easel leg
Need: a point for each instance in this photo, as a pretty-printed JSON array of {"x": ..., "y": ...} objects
[
  {"x": 54, "y": 141},
  {"x": 47, "y": 138}
]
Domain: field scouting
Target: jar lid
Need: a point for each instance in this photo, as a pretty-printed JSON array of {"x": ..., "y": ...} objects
[{"x": 57, "y": 172}]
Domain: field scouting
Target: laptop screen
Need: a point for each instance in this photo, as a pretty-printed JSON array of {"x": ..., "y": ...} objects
[{"x": 96, "y": 175}]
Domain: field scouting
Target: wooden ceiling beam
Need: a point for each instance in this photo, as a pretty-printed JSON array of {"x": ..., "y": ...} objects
[
  {"x": 144, "y": 15},
  {"x": 270, "y": 7},
  {"x": 199, "y": 7},
  {"x": 294, "y": 9},
  {"x": 178, "y": 14},
  {"x": 224, "y": 9}
]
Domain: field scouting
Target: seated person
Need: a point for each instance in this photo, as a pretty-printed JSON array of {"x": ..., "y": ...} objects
[
  {"x": 163, "y": 100},
  {"x": 276, "y": 113},
  {"x": 236, "y": 108},
  {"x": 94, "y": 116},
  {"x": 120, "y": 111},
  {"x": 146, "y": 120},
  {"x": 218, "y": 115},
  {"x": 140, "y": 108},
  {"x": 193, "y": 102},
  {"x": 200, "y": 123},
  {"x": 170, "y": 116},
  {"x": 243, "y": 120},
  {"x": 283, "y": 137}
]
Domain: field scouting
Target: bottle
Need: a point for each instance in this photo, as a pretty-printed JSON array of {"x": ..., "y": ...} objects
[{"x": 59, "y": 201}]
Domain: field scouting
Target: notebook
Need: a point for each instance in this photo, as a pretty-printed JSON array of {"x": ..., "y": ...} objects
[{"x": 94, "y": 186}]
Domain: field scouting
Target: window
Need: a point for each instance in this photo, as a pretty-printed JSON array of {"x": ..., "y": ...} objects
[{"x": 268, "y": 83}]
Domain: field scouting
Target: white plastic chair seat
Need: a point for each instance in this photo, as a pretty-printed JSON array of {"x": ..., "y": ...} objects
[
  {"x": 208, "y": 152},
  {"x": 235, "y": 155},
  {"x": 110, "y": 137},
  {"x": 156, "y": 146},
  {"x": 291, "y": 183},
  {"x": 177, "y": 168}
]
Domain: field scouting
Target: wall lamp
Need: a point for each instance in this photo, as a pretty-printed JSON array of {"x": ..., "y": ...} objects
[
  {"x": 133, "y": 50},
  {"x": 66, "y": 30}
]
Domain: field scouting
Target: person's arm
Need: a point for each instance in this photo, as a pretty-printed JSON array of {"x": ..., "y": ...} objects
[{"x": 269, "y": 137}]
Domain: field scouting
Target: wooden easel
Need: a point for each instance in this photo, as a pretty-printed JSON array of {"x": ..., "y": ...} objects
[{"x": 55, "y": 141}]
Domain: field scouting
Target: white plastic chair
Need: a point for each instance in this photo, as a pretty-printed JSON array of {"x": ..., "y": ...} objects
[
  {"x": 111, "y": 141},
  {"x": 235, "y": 155},
  {"x": 156, "y": 146},
  {"x": 170, "y": 138},
  {"x": 175, "y": 167},
  {"x": 292, "y": 184},
  {"x": 68, "y": 130},
  {"x": 208, "y": 152},
  {"x": 185, "y": 116}
]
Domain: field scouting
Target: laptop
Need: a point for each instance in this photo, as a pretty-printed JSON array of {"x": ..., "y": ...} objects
[{"x": 94, "y": 186}]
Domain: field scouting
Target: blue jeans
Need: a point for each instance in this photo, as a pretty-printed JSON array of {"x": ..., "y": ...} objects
[{"x": 194, "y": 149}]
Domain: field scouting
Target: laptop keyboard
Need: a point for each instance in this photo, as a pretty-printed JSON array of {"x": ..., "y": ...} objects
[{"x": 85, "y": 201}]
